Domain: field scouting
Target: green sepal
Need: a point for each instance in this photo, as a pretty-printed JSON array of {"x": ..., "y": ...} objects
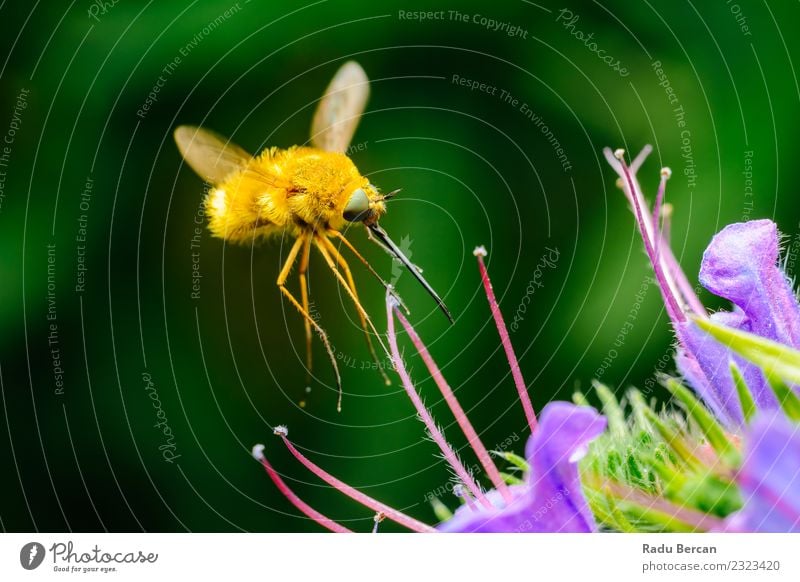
[
  {"x": 774, "y": 358},
  {"x": 707, "y": 493},
  {"x": 510, "y": 479},
  {"x": 745, "y": 396},
  {"x": 580, "y": 399},
  {"x": 658, "y": 520},
  {"x": 606, "y": 512},
  {"x": 639, "y": 407},
  {"x": 515, "y": 460},
  {"x": 440, "y": 510},
  {"x": 788, "y": 400},
  {"x": 712, "y": 430},
  {"x": 669, "y": 476},
  {"x": 611, "y": 410},
  {"x": 673, "y": 439}
]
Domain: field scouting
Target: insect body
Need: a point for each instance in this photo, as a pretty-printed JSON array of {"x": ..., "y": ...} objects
[
  {"x": 310, "y": 193},
  {"x": 294, "y": 191}
]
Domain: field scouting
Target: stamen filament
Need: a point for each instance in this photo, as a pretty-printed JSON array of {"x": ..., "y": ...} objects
[
  {"x": 666, "y": 223},
  {"x": 662, "y": 213},
  {"x": 522, "y": 390},
  {"x": 684, "y": 287},
  {"x": 355, "y": 494},
  {"x": 459, "y": 492},
  {"x": 674, "y": 275},
  {"x": 258, "y": 454},
  {"x": 423, "y": 412},
  {"x": 461, "y": 418},
  {"x": 670, "y": 301},
  {"x": 662, "y": 187}
]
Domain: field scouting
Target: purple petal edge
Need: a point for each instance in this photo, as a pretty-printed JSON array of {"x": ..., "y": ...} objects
[
  {"x": 551, "y": 500},
  {"x": 740, "y": 265}
]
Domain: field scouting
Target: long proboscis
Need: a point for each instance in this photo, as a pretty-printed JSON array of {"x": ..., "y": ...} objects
[{"x": 388, "y": 244}]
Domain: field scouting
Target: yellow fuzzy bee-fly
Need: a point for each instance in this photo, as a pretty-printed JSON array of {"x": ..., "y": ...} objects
[{"x": 310, "y": 193}]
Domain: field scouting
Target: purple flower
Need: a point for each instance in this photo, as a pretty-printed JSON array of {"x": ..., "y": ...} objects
[
  {"x": 549, "y": 499},
  {"x": 705, "y": 363},
  {"x": 741, "y": 265},
  {"x": 769, "y": 479}
]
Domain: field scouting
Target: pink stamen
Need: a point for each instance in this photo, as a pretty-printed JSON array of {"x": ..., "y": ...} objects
[
  {"x": 423, "y": 412},
  {"x": 662, "y": 187},
  {"x": 664, "y": 211},
  {"x": 458, "y": 412},
  {"x": 677, "y": 281},
  {"x": 459, "y": 492},
  {"x": 355, "y": 494},
  {"x": 258, "y": 454},
  {"x": 670, "y": 301},
  {"x": 522, "y": 390},
  {"x": 684, "y": 287},
  {"x": 666, "y": 223}
]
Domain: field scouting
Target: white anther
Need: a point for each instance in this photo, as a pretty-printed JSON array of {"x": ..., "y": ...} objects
[{"x": 258, "y": 452}]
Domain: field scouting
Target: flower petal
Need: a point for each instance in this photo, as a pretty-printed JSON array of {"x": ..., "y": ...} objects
[
  {"x": 551, "y": 500},
  {"x": 740, "y": 265},
  {"x": 694, "y": 375},
  {"x": 769, "y": 478},
  {"x": 705, "y": 363}
]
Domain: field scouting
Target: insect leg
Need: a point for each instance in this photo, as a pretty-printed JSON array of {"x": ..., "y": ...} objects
[
  {"x": 361, "y": 258},
  {"x": 352, "y": 284},
  {"x": 301, "y": 272},
  {"x": 322, "y": 244},
  {"x": 284, "y": 274}
]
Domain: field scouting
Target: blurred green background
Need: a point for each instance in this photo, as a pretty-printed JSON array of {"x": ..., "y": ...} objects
[{"x": 474, "y": 168}]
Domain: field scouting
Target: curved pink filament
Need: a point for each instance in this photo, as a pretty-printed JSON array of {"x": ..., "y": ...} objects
[
  {"x": 458, "y": 412},
  {"x": 357, "y": 495},
  {"x": 297, "y": 502},
  {"x": 423, "y": 412},
  {"x": 506, "y": 341}
]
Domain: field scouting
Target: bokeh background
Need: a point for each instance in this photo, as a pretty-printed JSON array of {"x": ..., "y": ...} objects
[{"x": 475, "y": 168}]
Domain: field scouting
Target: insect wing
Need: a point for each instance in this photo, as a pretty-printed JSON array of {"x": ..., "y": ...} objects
[
  {"x": 211, "y": 155},
  {"x": 340, "y": 109}
]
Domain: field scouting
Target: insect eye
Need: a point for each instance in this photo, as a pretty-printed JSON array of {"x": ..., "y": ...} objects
[{"x": 357, "y": 208}]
